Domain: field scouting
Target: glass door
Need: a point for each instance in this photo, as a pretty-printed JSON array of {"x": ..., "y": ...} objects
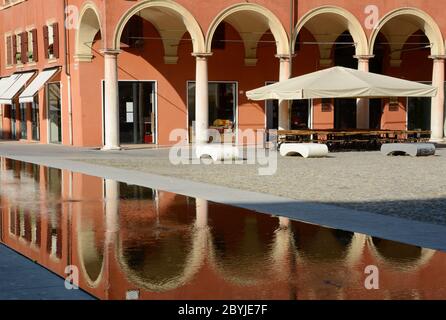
[
  {"x": 13, "y": 121},
  {"x": 419, "y": 113},
  {"x": 137, "y": 117},
  {"x": 344, "y": 114},
  {"x": 23, "y": 120},
  {"x": 35, "y": 119},
  {"x": 54, "y": 113}
]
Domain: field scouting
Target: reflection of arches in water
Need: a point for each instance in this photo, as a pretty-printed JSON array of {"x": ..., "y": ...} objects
[
  {"x": 320, "y": 244},
  {"x": 399, "y": 255},
  {"x": 90, "y": 249},
  {"x": 162, "y": 250},
  {"x": 242, "y": 244}
]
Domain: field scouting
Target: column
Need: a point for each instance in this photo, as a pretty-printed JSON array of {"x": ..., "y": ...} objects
[
  {"x": 362, "y": 104},
  {"x": 111, "y": 210},
  {"x": 284, "y": 105},
  {"x": 201, "y": 98},
  {"x": 437, "y": 110},
  {"x": 111, "y": 125},
  {"x": 202, "y": 213}
]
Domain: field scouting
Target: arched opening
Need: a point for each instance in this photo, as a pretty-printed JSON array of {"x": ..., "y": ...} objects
[
  {"x": 156, "y": 39},
  {"x": 243, "y": 244},
  {"x": 399, "y": 255},
  {"x": 158, "y": 247},
  {"x": 338, "y": 38},
  {"x": 241, "y": 38},
  {"x": 404, "y": 38},
  {"x": 88, "y": 32}
]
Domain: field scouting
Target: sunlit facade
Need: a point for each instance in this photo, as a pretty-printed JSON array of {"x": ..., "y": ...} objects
[{"x": 112, "y": 73}]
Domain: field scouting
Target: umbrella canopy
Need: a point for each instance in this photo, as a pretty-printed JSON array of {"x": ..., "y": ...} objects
[{"x": 339, "y": 82}]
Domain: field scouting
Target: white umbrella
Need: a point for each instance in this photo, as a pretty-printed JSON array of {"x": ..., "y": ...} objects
[{"x": 339, "y": 82}]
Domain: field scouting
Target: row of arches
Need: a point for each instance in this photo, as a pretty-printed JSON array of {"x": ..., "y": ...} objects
[{"x": 261, "y": 19}]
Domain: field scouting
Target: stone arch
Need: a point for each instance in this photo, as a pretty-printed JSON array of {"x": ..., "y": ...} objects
[
  {"x": 411, "y": 19},
  {"x": 171, "y": 30},
  {"x": 91, "y": 256},
  {"x": 399, "y": 255},
  {"x": 338, "y": 21},
  {"x": 89, "y": 25},
  {"x": 261, "y": 20}
]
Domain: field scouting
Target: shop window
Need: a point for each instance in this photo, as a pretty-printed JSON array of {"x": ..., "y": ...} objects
[{"x": 222, "y": 104}]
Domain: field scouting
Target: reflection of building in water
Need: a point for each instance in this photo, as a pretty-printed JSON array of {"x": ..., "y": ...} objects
[{"x": 168, "y": 246}]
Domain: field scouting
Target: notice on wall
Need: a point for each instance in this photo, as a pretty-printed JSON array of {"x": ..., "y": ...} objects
[
  {"x": 130, "y": 117},
  {"x": 129, "y": 107}
]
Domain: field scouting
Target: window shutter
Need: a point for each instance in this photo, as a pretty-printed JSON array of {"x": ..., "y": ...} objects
[
  {"x": 24, "y": 46},
  {"x": 9, "y": 50},
  {"x": 14, "y": 49},
  {"x": 56, "y": 40},
  {"x": 46, "y": 42},
  {"x": 35, "y": 45}
]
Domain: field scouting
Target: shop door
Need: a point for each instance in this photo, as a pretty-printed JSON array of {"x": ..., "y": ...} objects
[
  {"x": 54, "y": 113},
  {"x": 13, "y": 121},
  {"x": 137, "y": 117}
]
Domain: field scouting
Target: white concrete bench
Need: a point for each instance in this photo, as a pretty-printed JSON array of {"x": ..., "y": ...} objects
[
  {"x": 217, "y": 151},
  {"x": 412, "y": 149},
  {"x": 306, "y": 150}
]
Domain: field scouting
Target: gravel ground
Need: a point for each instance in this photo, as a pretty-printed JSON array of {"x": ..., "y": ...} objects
[{"x": 412, "y": 188}]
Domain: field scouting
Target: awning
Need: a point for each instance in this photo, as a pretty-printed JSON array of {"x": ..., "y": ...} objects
[
  {"x": 341, "y": 82},
  {"x": 37, "y": 84},
  {"x": 18, "y": 81},
  {"x": 6, "y": 82}
]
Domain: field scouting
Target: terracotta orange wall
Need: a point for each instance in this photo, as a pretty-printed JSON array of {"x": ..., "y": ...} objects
[{"x": 224, "y": 65}]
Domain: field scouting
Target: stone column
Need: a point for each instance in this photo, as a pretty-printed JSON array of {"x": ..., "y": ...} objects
[
  {"x": 284, "y": 105},
  {"x": 111, "y": 210},
  {"x": 202, "y": 213},
  {"x": 111, "y": 125},
  {"x": 201, "y": 98},
  {"x": 437, "y": 112},
  {"x": 362, "y": 104}
]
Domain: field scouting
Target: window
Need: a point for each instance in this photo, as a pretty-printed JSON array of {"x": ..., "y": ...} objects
[
  {"x": 18, "y": 49},
  {"x": 9, "y": 51},
  {"x": 32, "y": 51},
  {"x": 51, "y": 41}
]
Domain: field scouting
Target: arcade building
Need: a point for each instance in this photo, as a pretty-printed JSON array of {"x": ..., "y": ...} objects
[{"x": 102, "y": 73}]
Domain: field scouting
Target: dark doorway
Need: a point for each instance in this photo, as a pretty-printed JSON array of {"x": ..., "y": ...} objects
[
  {"x": 345, "y": 109},
  {"x": 419, "y": 114}
]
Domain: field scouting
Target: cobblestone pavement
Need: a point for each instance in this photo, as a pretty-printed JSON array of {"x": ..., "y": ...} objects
[{"x": 413, "y": 188}]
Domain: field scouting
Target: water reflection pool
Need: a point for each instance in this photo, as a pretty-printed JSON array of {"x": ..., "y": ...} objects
[{"x": 131, "y": 241}]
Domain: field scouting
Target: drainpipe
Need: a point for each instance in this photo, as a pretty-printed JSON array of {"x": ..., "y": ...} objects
[{"x": 68, "y": 73}]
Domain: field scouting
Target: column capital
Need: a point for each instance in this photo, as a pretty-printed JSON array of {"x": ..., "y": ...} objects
[
  {"x": 202, "y": 55},
  {"x": 285, "y": 56},
  {"x": 438, "y": 57},
  {"x": 114, "y": 52},
  {"x": 364, "y": 57}
]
